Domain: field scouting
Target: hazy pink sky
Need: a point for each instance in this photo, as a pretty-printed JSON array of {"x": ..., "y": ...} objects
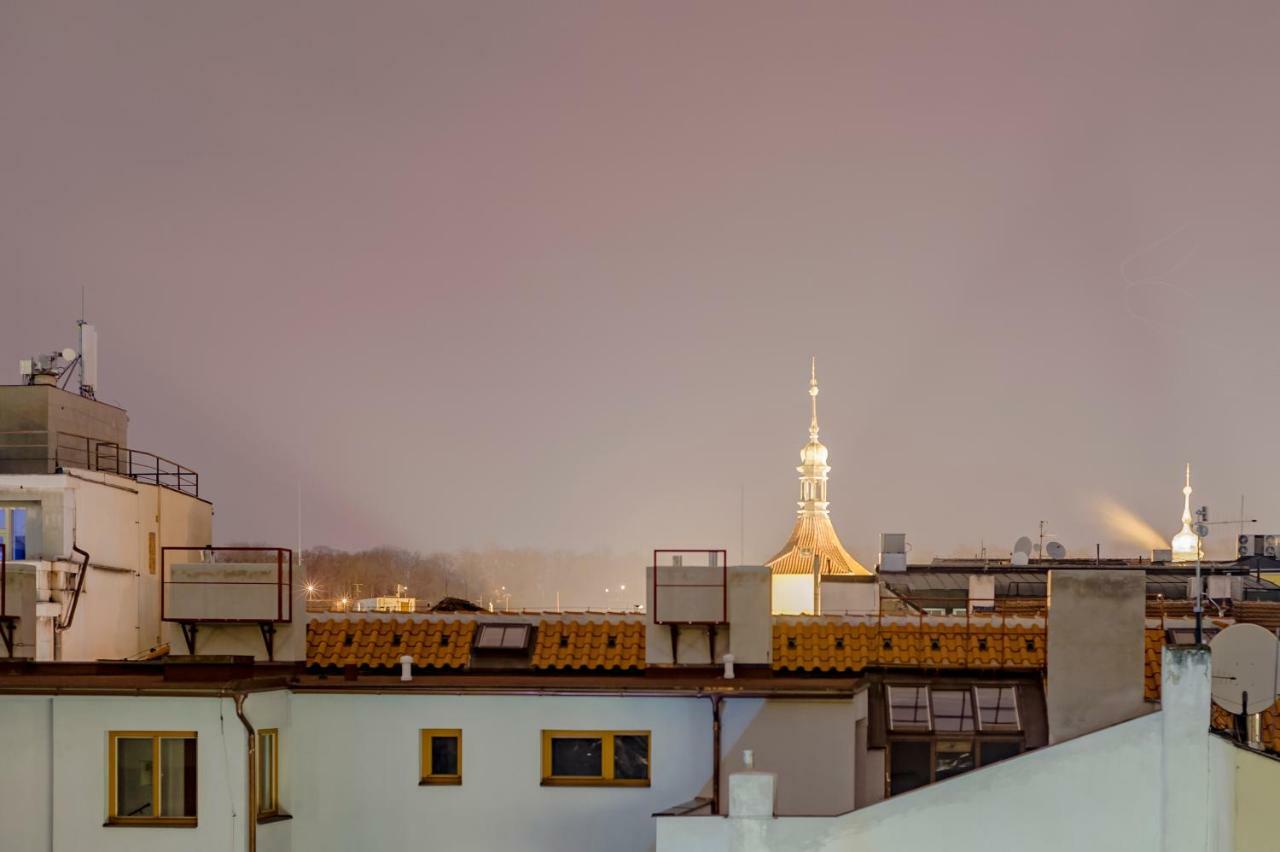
[{"x": 551, "y": 273}]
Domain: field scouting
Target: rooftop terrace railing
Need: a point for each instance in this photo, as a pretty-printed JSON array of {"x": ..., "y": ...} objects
[{"x": 44, "y": 451}]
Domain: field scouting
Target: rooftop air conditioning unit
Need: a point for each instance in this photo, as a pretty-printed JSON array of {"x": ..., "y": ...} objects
[{"x": 1258, "y": 545}]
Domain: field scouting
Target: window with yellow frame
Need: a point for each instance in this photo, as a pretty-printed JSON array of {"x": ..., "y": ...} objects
[
  {"x": 152, "y": 778},
  {"x": 595, "y": 758},
  {"x": 268, "y": 772},
  {"x": 441, "y": 756}
]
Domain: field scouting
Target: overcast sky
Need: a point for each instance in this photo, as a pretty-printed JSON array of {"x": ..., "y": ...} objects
[{"x": 550, "y": 274}]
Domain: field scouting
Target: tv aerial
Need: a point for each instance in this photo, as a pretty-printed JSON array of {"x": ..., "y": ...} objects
[{"x": 1245, "y": 660}]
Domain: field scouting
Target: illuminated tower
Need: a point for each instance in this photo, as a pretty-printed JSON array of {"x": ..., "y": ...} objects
[
  {"x": 813, "y": 542},
  {"x": 1186, "y": 547}
]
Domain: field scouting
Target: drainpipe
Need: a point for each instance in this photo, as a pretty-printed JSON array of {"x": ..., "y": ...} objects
[
  {"x": 715, "y": 754},
  {"x": 252, "y": 810}
]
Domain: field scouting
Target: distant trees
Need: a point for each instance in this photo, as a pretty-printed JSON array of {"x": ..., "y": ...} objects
[{"x": 518, "y": 578}]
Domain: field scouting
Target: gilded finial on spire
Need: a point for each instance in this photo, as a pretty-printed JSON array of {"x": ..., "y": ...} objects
[{"x": 813, "y": 397}]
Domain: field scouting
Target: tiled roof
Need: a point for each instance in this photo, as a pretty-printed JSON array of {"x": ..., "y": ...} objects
[
  {"x": 814, "y": 534},
  {"x": 342, "y": 642},
  {"x": 835, "y": 646},
  {"x": 589, "y": 645}
]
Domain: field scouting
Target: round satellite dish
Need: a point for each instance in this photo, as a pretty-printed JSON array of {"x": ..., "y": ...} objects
[
  {"x": 1202, "y": 530},
  {"x": 1244, "y": 658},
  {"x": 1022, "y": 545},
  {"x": 1055, "y": 550},
  {"x": 68, "y": 354}
]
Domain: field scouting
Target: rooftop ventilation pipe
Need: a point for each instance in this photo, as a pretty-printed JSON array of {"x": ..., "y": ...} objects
[{"x": 406, "y": 668}]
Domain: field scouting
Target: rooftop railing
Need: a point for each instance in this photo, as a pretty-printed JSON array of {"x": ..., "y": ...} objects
[{"x": 44, "y": 451}]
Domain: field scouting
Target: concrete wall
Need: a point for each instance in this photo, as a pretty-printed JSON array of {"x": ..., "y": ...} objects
[
  {"x": 750, "y": 617},
  {"x": 1257, "y": 779},
  {"x": 1094, "y": 652},
  {"x": 792, "y": 594},
  {"x": 353, "y": 777},
  {"x": 122, "y": 524},
  {"x": 856, "y": 596},
  {"x": 26, "y": 803},
  {"x": 1146, "y": 785},
  {"x": 42, "y": 408},
  {"x": 810, "y": 745}
]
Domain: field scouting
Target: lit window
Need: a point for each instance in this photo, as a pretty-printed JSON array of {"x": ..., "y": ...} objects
[
  {"x": 952, "y": 757},
  {"x": 441, "y": 756},
  {"x": 909, "y": 708},
  {"x": 595, "y": 758},
  {"x": 997, "y": 708},
  {"x": 268, "y": 772},
  {"x": 152, "y": 778},
  {"x": 503, "y": 637},
  {"x": 952, "y": 710}
]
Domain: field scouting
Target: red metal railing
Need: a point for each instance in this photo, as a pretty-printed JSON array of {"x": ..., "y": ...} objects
[
  {"x": 283, "y": 583},
  {"x": 720, "y": 561}
]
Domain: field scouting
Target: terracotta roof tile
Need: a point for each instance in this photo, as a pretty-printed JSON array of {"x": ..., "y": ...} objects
[
  {"x": 851, "y": 647},
  {"x": 589, "y": 645},
  {"x": 432, "y": 644}
]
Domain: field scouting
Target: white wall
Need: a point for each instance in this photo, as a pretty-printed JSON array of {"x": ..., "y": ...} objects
[
  {"x": 353, "y": 777},
  {"x": 25, "y": 775},
  {"x": 80, "y": 729}
]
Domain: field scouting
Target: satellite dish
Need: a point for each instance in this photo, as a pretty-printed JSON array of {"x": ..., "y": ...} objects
[
  {"x": 68, "y": 354},
  {"x": 1202, "y": 530},
  {"x": 1244, "y": 660},
  {"x": 1021, "y": 551},
  {"x": 1055, "y": 550}
]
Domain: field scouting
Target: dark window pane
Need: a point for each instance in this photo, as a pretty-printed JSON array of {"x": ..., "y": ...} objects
[
  {"x": 19, "y": 534},
  {"x": 908, "y": 765},
  {"x": 444, "y": 755},
  {"x": 997, "y": 707},
  {"x": 133, "y": 778},
  {"x": 953, "y": 758},
  {"x": 178, "y": 777},
  {"x": 580, "y": 756},
  {"x": 908, "y": 706},
  {"x": 952, "y": 710},
  {"x": 630, "y": 757},
  {"x": 998, "y": 750}
]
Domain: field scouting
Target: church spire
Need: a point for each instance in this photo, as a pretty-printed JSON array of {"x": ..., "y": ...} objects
[
  {"x": 813, "y": 538},
  {"x": 1185, "y": 545}
]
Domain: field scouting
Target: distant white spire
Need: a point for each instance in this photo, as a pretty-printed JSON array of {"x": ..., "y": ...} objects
[{"x": 1185, "y": 545}]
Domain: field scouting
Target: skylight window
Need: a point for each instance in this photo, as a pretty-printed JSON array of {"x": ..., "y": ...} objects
[
  {"x": 503, "y": 637},
  {"x": 909, "y": 708}
]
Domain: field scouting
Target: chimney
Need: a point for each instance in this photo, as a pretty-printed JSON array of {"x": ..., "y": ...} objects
[{"x": 893, "y": 552}]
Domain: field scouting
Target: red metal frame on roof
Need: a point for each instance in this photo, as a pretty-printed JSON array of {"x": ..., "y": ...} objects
[
  {"x": 283, "y": 585},
  {"x": 723, "y": 585}
]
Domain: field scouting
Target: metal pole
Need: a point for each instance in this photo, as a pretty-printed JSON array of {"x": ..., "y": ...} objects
[{"x": 1199, "y": 608}]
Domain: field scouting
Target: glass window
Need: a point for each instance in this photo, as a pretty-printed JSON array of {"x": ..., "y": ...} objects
[
  {"x": 615, "y": 758},
  {"x": 908, "y": 707},
  {"x": 997, "y": 708},
  {"x": 268, "y": 772},
  {"x": 994, "y": 751},
  {"x": 152, "y": 778},
  {"x": 908, "y": 765},
  {"x": 504, "y": 637},
  {"x": 441, "y": 756},
  {"x": 952, "y": 757},
  {"x": 952, "y": 710},
  {"x": 630, "y": 757},
  {"x": 19, "y": 534}
]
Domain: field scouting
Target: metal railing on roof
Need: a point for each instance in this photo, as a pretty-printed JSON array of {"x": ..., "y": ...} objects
[{"x": 45, "y": 451}]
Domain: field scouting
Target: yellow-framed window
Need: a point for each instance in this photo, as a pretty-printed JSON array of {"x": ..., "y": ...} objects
[
  {"x": 152, "y": 778},
  {"x": 595, "y": 758},
  {"x": 268, "y": 772},
  {"x": 441, "y": 756}
]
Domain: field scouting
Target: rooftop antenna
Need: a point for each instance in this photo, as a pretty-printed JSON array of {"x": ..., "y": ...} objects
[{"x": 88, "y": 353}]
